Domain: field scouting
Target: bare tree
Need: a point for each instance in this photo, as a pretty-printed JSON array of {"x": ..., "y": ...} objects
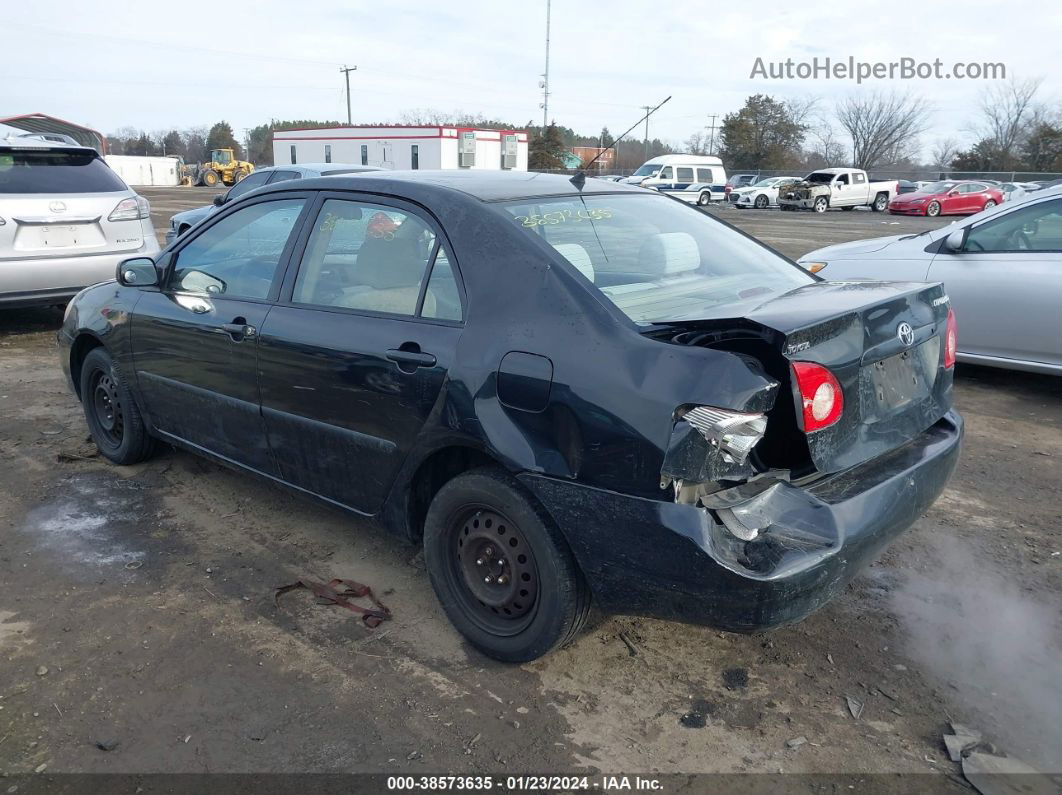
[
  {"x": 826, "y": 148},
  {"x": 943, "y": 152},
  {"x": 881, "y": 125},
  {"x": 697, "y": 144},
  {"x": 1008, "y": 111}
]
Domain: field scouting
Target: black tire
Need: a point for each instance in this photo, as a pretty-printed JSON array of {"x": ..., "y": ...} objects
[
  {"x": 209, "y": 178},
  {"x": 989, "y": 203},
  {"x": 113, "y": 418},
  {"x": 822, "y": 204},
  {"x": 881, "y": 203},
  {"x": 238, "y": 176},
  {"x": 933, "y": 209},
  {"x": 704, "y": 199},
  {"x": 478, "y": 523},
  {"x": 761, "y": 202}
]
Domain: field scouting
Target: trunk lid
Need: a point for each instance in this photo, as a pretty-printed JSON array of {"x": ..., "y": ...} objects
[
  {"x": 63, "y": 226},
  {"x": 883, "y": 342}
]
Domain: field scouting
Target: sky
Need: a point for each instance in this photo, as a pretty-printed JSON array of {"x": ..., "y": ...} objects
[{"x": 157, "y": 66}]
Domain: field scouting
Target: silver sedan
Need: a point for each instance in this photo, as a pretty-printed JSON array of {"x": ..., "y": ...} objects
[{"x": 1002, "y": 269}]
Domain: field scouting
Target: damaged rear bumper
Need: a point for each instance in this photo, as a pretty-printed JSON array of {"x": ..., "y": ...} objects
[{"x": 664, "y": 559}]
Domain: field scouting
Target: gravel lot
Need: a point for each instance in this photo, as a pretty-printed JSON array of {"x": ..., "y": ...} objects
[{"x": 138, "y": 607}]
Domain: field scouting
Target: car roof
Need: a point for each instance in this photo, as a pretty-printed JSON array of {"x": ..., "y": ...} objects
[
  {"x": 488, "y": 186},
  {"x": 11, "y": 137}
]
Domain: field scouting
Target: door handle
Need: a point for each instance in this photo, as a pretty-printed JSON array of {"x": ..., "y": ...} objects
[
  {"x": 238, "y": 330},
  {"x": 410, "y": 357}
]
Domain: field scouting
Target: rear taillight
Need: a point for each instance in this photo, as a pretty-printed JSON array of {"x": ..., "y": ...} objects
[
  {"x": 951, "y": 340},
  {"x": 132, "y": 209},
  {"x": 820, "y": 395}
]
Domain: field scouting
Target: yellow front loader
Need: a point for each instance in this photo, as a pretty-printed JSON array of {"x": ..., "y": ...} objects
[{"x": 222, "y": 167}]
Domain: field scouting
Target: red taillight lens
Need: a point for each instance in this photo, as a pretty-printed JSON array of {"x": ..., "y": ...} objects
[
  {"x": 951, "y": 340},
  {"x": 820, "y": 395}
]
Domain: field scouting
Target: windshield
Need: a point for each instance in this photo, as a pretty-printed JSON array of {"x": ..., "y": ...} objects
[
  {"x": 766, "y": 183},
  {"x": 819, "y": 177},
  {"x": 44, "y": 171},
  {"x": 656, "y": 259},
  {"x": 939, "y": 187},
  {"x": 646, "y": 170}
]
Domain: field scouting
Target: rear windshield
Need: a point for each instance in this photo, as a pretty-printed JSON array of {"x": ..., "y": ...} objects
[
  {"x": 657, "y": 259},
  {"x": 43, "y": 171}
]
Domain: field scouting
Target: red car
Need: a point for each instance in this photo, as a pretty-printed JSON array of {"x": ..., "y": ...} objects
[{"x": 950, "y": 197}]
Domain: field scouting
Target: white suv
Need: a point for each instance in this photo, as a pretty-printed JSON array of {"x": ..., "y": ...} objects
[{"x": 66, "y": 221}]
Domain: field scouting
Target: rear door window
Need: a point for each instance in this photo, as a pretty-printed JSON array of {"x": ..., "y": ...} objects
[
  {"x": 367, "y": 256},
  {"x": 45, "y": 171}
]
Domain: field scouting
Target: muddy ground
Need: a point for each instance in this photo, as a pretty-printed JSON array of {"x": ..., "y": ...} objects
[{"x": 137, "y": 608}]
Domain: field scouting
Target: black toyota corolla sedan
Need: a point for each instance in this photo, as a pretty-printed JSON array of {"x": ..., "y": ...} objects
[{"x": 567, "y": 393}]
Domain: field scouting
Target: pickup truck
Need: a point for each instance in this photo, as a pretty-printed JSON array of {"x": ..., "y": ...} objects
[{"x": 838, "y": 187}]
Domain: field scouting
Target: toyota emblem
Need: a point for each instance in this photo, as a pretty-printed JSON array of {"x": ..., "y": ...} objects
[
  {"x": 905, "y": 333},
  {"x": 57, "y": 207}
]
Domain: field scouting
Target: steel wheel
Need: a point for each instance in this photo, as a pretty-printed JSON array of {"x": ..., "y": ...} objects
[
  {"x": 495, "y": 569},
  {"x": 107, "y": 408}
]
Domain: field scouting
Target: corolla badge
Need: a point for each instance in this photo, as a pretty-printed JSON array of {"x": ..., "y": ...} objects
[
  {"x": 905, "y": 333},
  {"x": 57, "y": 207}
]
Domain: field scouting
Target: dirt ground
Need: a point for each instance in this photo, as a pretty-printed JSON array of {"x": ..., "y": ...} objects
[{"x": 137, "y": 608}]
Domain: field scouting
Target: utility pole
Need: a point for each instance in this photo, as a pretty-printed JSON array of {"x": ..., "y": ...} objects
[
  {"x": 711, "y": 131},
  {"x": 346, "y": 70},
  {"x": 647, "y": 108},
  {"x": 247, "y": 143},
  {"x": 545, "y": 76}
]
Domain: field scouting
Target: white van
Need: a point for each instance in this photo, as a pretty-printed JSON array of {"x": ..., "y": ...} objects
[{"x": 699, "y": 179}]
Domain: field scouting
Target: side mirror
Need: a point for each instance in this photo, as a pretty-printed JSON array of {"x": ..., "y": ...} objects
[
  {"x": 955, "y": 241},
  {"x": 219, "y": 200},
  {"x": 138, "y": 272}
]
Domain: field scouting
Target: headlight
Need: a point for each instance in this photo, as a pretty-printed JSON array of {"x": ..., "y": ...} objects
[{"x": 813, "y": 267}]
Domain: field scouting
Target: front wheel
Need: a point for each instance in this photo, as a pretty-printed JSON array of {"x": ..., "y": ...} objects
[
  {"x": 210, "y": 178},
  {"x": 933, "y": 209},
  {"x": 113, "y": 418},
  {"x": 822, "y": 204},
  {"x": 504, "y": 575},
  {"x": 761, "y": 202}
]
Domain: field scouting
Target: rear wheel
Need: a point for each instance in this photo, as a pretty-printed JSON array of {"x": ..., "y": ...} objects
[
  {"x": 504, "y": 575},
  {"x": 933, "y": 209},
  {"x": 113, "y": 418},
  {"x": 210, "y": 178},
  {"x": 822, "y": 204},
  {"x": 761, "y": 202},
  {"x": 990, "y": 203},
  {"x": 704, "y": 199},
  {"x": 881, "y": 201}
]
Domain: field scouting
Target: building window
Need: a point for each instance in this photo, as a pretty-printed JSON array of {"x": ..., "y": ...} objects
[
  {"x": 293, "y": 154},
  {"x": 364, "y": 154},
  {"x": 414, "y": 156},
  {"x": 328, "y": 153}
]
